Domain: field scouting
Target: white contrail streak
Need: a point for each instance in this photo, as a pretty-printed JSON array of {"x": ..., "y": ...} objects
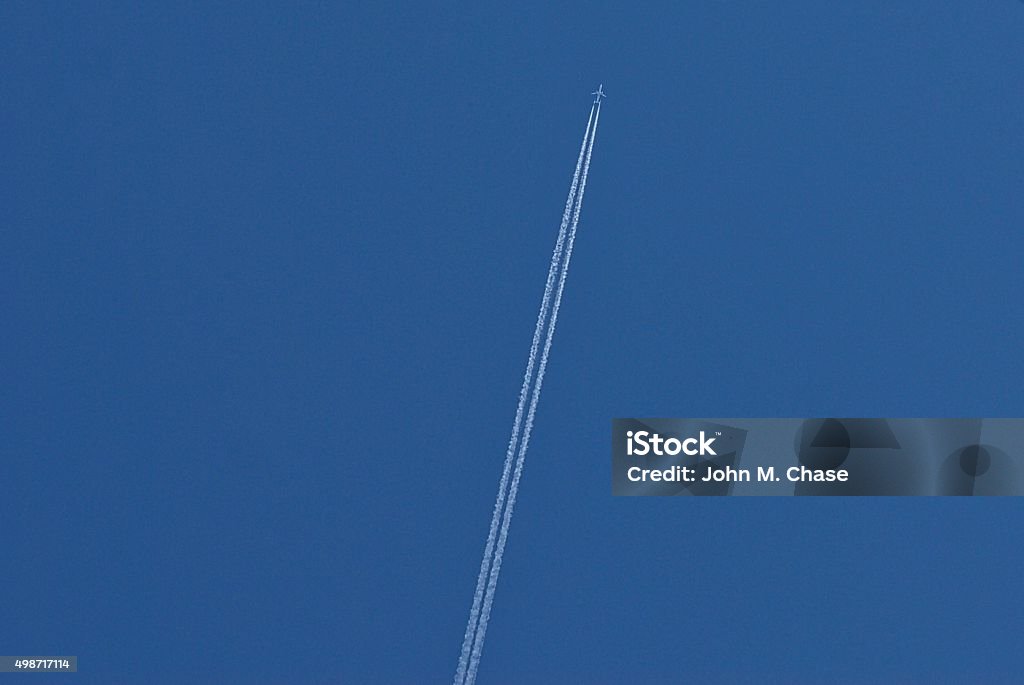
[
  {"x": 492, "y": 583},
  {"x": 556, "y": 258}
]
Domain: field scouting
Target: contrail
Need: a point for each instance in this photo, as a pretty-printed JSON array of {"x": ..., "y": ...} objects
[
  {"x": 556, "y": 258},
  {"x": 485, "y": 614}
]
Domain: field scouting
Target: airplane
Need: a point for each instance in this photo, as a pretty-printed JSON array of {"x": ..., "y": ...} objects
[{"x": 599, "y": 93}]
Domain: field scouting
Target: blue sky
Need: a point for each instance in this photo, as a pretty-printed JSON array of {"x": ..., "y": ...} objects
[{"x": 269, "y": 278}]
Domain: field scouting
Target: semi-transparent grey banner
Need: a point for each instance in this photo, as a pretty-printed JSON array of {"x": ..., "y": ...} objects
[
  {"x": 38, "y": 664},
  {"x": 669, "y": 457}
]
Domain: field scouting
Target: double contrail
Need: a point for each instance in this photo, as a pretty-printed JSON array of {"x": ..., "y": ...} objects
[
  {"x": 490, "y": 566},
  {"x": 556, "y": 258}
]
